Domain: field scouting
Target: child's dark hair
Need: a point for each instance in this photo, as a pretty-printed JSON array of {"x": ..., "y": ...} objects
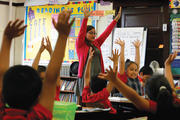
[
  {"x": 159, "y": 90},
  {"x": 128, "y": 63},
  {"x": 89, "y": 27},
  {"x": 41, "y": 68},
  {"x": 97, "y": 84},
  {"x": 21, "y": 87},
  {"x": 146, "y": 70}
]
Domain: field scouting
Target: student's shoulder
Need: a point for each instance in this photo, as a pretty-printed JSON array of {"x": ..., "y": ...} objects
[{"x": 40, "y": 112}]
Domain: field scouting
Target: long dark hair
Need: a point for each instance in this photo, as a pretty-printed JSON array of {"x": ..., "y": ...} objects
[
  {"x": 159, "y": 90},
  {"x": 89, "y": 27}
]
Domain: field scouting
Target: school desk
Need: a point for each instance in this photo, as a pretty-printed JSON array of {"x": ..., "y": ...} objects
[{"x": 126, "y": 110}]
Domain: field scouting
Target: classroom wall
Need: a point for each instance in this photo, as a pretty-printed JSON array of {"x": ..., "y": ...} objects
[
  {"x": 19, "y": 12},
  {"x": 4, "y": 18},
  {"x": 18, "y": 46}
]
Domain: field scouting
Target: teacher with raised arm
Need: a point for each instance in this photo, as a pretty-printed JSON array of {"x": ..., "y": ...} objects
[{"x": 86, "y": 39}]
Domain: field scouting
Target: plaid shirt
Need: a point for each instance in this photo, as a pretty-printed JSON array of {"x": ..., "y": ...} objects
[{"x": 135, "y": 84}]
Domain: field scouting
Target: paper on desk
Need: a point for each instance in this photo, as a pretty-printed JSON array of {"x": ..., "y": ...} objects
[
  {"x": 118, "y": 99},
  {"x": 96, "y": 109}
]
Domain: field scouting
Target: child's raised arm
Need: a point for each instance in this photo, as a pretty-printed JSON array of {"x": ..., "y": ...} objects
[
  {"x": 12, "y": 30},
  {"x": 168, "y": 72},
  {"x": 87, "y": 75},
  {"x": 128, "y": 92},
  {"x": 137, "y": 44},
  {"x": 38, "y": 56},
  {"x": 63, "y": 28},
  {"x": 114, "y": 58},
  {"x": 121, "y": 61}
]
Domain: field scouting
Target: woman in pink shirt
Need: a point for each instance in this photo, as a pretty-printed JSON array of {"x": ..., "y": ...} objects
[{"x": 86, "y": 39}]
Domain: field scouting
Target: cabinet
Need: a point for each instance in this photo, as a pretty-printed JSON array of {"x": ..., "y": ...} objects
[{"x": 67, "y": 85}]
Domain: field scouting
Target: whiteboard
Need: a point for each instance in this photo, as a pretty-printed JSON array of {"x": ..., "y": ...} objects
[
  {"x": 129, "y": 35},
  {"x": 106, "y": 47}
]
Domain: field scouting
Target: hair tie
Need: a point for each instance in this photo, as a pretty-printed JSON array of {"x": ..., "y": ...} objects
[{"x": 162, "y": 87}]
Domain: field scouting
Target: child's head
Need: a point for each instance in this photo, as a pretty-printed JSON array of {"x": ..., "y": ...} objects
[
  {"x": 41, "y": 71},
  {"x": 154, "y": 86},
  {"x": 21, "y": 87},
  {"x": 158, "y": 89},
  {"x": 97, "y": 84},
  {"x": 131, "y": 69},
  {"x": 145, "y": 73}
]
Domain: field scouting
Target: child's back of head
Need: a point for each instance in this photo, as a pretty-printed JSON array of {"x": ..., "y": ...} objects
[
  {"x": 153, "y": 85},
  {"x": 146, "y": 70},
  {"x": 97, "y": 84},
  {"x": 21, "y": 87},
  {"x": 158, "y": 89}
]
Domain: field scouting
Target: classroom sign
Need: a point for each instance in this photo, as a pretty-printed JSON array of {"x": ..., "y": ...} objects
[
  {"x": 174, "y": 4},
  {"x": 39, "y": 25}
]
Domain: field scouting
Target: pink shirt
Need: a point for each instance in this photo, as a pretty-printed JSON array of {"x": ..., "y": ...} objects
[{"x": 82, "y": 48}]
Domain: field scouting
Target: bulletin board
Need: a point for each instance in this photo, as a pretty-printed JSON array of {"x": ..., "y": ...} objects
[
  {"x": 129, "y": 35},
  {"x": 175, "y": 40},
  {"x": 39, "y": 24}
]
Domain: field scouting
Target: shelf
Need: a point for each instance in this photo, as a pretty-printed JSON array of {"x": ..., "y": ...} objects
[
  {"x": 66, "y": 91},
  {"x": 68, "y": 77}
]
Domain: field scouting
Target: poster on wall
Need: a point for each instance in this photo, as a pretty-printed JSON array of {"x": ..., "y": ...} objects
[
  {"x": 175, "y": 41},
  {"x": 174, "y": 4},
  {"x": 39, "y": 25}
]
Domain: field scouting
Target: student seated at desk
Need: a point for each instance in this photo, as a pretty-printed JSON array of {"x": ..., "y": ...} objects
[
  {"x": 94, "y": 92},
  {"x": 144, "y": 73},
  {"x": 162, "y": 103},
  {"x": 22, "y": 94}
]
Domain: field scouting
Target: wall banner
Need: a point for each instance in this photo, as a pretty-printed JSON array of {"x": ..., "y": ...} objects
[
  {"x": 39, "y": 25},
  {"x": 44, "y": 2}
]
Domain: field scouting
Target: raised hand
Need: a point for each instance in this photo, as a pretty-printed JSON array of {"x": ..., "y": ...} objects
[
  {"x": 63, "y": 26},
  {"x": 137, "y": 43},
  {"x": 87, "y": 13},
  {"x": 48, "y": 47},
  {"x": 42, "y": 47},
  {"x": 119, "y": 14},
  {"x": 115, "y": 56},
  {"x": 14, "y": 29},
  {"x": 171, "y": 58},
  {"x": 120, "y": 42},
  {"x": 111, "y": 74}
]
